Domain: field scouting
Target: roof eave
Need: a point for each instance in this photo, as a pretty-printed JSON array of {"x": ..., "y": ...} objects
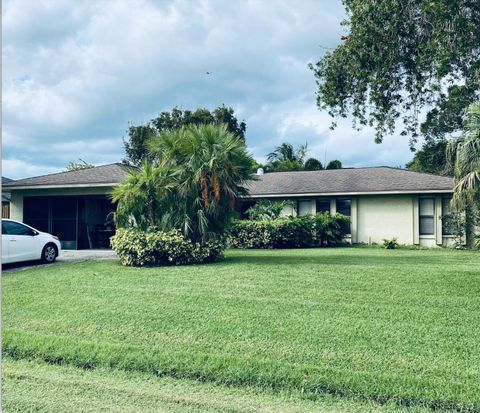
[
  {"x": 61, "y": 186},
  {"x": 310, "y": 194}
]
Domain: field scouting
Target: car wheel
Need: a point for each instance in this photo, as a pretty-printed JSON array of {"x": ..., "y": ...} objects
[{"x": 49, "y": 253}]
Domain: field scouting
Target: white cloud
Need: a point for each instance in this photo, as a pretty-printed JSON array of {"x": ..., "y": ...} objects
[
  {"x": 76, "y": 72},
  {"x": 16, "y": 169}
]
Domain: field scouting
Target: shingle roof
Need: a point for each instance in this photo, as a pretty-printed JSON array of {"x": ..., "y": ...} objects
[
  {"x": 352, "y": 180},
  {"x": 105, "y": 174},
  {"x": 333, "y": 181}
]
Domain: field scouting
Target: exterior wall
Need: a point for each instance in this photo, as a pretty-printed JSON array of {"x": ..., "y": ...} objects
[
  {"x": 378, "y": 217},
  {"x": 385, "y": 216},
  {"x": 16, "y": 206}
]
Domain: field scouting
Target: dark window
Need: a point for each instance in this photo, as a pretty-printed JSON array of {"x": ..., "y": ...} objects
[
  {"x": 323, "y": 205},
  {"x": 427, "y": 216},
  {"x": 446, "y": 225},
  {"x": 13, "y": 228},
  {"x": 344, "y": 207}
]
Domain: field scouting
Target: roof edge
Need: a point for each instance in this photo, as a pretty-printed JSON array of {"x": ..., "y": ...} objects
[
  {"x": 64, "y": 186},
  {"x": 310, "y": 194}
]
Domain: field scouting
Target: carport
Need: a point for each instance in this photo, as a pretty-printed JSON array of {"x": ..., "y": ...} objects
[{"x": 73, "y": 205}]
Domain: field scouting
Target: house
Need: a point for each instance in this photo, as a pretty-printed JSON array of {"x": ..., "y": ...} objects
[
  {"x": 382, "y": 202},
  {"x": 5, "y": 199},
  {"x": 73, "y": 205}
]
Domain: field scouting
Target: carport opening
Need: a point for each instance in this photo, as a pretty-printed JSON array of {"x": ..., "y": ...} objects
[{"x": 80, "y": 222}]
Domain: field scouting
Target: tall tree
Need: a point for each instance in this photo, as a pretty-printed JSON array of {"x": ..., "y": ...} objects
[
  {"x": 335, "y": 164},
  {"x": 464, "y": 159},
  {"x": 401, "y": 58},
  {"x": 286, "y": 152},
  {"x": 312, "y": 164},
  {"x": 286, "y": 158},
  {"x": 431, "y": 158},
  {"x": 139, "y": 137},
  {"x": 464, "y": 156},
  {"x": 213, "y": 166}
]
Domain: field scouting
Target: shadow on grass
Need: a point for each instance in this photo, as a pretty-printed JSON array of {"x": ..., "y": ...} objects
[{"x": 24, "y": 265}]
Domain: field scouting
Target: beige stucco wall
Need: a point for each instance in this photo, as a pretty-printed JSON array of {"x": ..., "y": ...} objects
[
  {"x": 385, "y": 216},
  {"x": 16, "y": 206}
]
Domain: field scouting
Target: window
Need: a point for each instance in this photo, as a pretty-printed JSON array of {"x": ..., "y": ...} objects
[
  {"x": 304, "y": 208},
  {"x": 13, "y": 228},
  {"x": 323, "y": 205},
  {"x": 344, "y": 207},
  {"x": 427, "y": 216},
  {"x": 446, "y": 226}
]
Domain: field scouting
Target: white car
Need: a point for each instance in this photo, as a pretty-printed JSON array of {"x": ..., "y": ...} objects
[{"x": 21, "y": 242}]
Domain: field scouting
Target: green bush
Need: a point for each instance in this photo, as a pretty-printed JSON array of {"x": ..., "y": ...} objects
[
  {"x": 265, "y": 210},
  {"x": 139, "y": 248},
  {"x": 390, "y": 244},
  {"x": 303, "y": 232}
]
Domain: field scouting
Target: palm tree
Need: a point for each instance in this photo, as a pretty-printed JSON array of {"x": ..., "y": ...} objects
[
  {"x": 145, "y": 196},
  {"x": 286, "y": 153},
  {"x": 463, "y": 156},
  {"x": 213, "y": 166}
]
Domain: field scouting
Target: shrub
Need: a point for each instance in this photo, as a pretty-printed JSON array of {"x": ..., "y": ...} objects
[
  {"x": 266, "y": 209},
  {"x": 390, "y": 244},
  {"x": 138, "y": 248},
  {"x": 303, "y": 232}
]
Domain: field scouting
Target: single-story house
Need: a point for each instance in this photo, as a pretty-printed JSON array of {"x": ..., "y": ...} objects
[{"x": 382, "y": 202}]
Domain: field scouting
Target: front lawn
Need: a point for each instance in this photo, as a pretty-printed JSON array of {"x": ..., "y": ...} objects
[{"x": 397, "y": 326}]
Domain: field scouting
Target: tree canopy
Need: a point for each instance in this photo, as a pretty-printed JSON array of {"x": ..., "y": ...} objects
[
  {"x": 431, "y": 158},
  {"x": 139, "y": 137},
  {"x": 76, "y": 166},
  {"x": 287, "y": 158},
  {"x": 335, "y": 164},
  {"x": 464, "y": 158},
  {"x": 192, "y": 184},
  {"x": 400, "y": 60}
]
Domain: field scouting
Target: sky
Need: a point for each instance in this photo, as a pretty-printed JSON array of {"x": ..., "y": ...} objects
[{"x": 77, "y": 73}]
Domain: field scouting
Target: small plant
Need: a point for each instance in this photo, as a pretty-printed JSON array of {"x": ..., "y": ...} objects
[
  {"x": 267, "y": 210},
  {"x": 390, "y": 244}
]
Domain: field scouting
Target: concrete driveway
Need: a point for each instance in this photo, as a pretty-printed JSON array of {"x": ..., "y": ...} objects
[{"x": 65, "y": 256}]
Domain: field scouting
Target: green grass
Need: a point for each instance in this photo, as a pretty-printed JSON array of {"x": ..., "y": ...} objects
[
  {"x": 398, "y": 326},
  {"x": 38, "y": 387}
]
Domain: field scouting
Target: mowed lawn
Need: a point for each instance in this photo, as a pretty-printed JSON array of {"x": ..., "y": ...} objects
[{"x": 389, "y": 326}]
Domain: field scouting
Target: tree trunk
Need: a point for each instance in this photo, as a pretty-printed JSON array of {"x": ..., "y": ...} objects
[{"x": 469, "y": 227}]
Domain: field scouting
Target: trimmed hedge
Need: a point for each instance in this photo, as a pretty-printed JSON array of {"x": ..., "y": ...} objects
[
  {"x": 152, "y": 247},
  {"x": 320, "y": 230}
]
